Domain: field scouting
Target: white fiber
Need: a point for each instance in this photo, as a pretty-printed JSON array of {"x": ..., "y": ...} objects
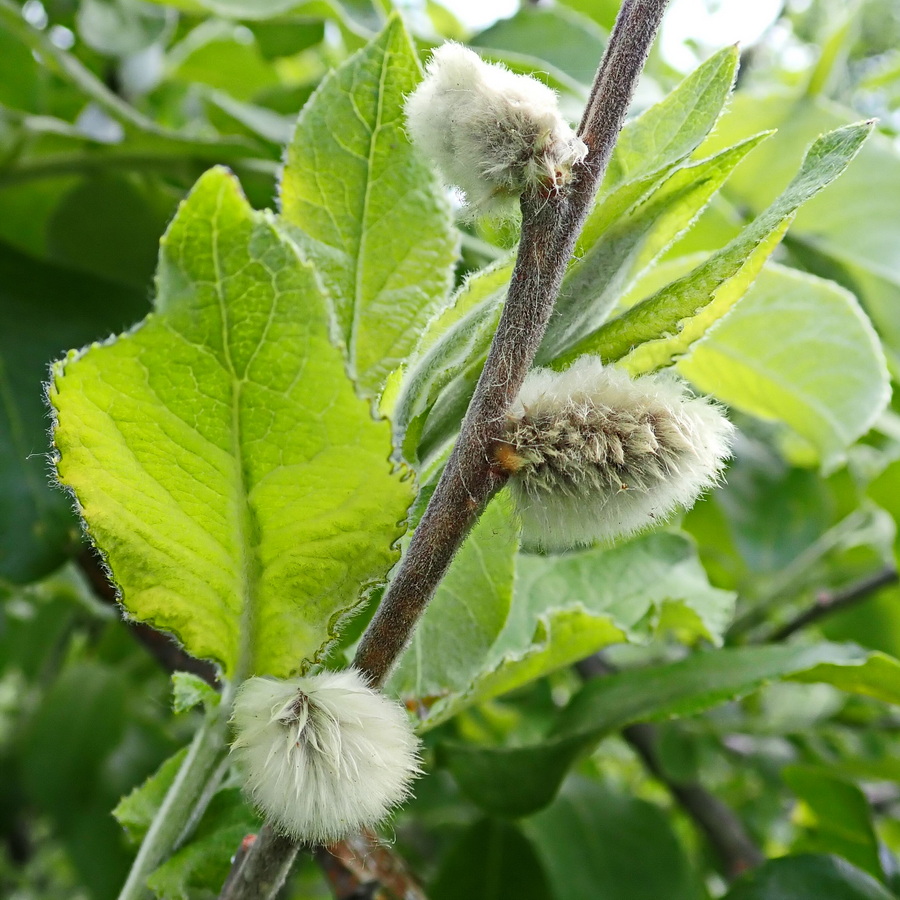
[
  {"x": 595, "y": 455},
  {"x": 490, "y": 132},
  {"x": 325, "y": 755}
]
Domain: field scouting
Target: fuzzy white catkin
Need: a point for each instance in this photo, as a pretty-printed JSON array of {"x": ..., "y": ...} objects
[
  {"x": 595, "y": 455},
  {"x": 324, "y": 754},
  {"x": 490, "y": 132}
]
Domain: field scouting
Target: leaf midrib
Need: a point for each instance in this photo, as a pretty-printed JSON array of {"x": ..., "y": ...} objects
[
  {"x": 355, "y": 313},
  {"x": 246, "y": 525}
]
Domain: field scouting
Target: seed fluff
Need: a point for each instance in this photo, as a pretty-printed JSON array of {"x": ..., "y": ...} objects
[
  {"x": 594, "y": 455},
  {"x": 490, "y": 131},
  {"x": 324, "y": 755}
]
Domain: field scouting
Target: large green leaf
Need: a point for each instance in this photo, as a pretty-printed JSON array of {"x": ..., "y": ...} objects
[
  {"x": 369, "y": 210},
  {"x": 567, "y": 607},
  {"x": 568, "y": 41},
  {"x": 467, "y": 614},
  {"x": 45, "y": 309},
  {"x": 797, "y": 349},
  {"x": 238, "y": 488},
  {"x": 518, "y": 780},
  {"x": 851, "y": 232},
  {"x": 491, "y": 859},
  {"x": 663, "y": 327},
  {"x": 835, "y": 817},
  {"x": 808, "y": 877},
  {"x": 595, "y": 843}
]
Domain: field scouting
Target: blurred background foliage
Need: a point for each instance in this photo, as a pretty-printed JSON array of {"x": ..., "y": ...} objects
[{"x": 109, "y": 111}]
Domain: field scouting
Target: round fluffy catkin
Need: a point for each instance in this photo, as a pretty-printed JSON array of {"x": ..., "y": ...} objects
[
  {"x": 324, "y": 755},
  {"x": 594, "y": 455},
  {"x": 490, "y": 131}
]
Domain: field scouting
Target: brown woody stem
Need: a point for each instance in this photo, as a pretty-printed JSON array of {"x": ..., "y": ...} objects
[{"x": 550, "y": 226}]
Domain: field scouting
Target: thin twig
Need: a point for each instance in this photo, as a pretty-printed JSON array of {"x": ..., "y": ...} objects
[
  {"x": 723, "y": 829},
  {"x": 725, "y": 832},
  {"x": 829, "y": 602},
  {"x": 550, "y": 226},
  {"x": 262, "y": 868},
  {"x": 363, "y": 866}
]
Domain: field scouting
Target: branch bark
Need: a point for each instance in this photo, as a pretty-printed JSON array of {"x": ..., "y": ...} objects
[
  {"x": 550, "y": 226},
  {"x": 724, "y": 831},
  {"x": 829, "y": 602}
]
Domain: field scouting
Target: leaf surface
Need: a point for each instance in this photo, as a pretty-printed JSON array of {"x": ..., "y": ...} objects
[
  {"x": 467, "y": 613},
  {"x": 800, "y": 350},
  {"x": 660, "y": 329},
  {"x": 566, "y": 607},
  {"x": 239, "y": 489},
  {"x": 368, "y": 208},
  {"x": 808, "y": 877},
  {"x": 519, "y": 780},
  {"x": 595, "y": 843}
]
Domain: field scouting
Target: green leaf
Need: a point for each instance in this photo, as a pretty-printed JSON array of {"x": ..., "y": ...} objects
[
  {"x": 835, "y": 817},
  {"x": 216, "y": 54},
  {"x": 454, "y": 344},
  {"x": 568, "y": 41},
  {"x": 468, "y": 612},
  {"x": 492, "y": 856},
  {"x": 110, "y": 226},
  {"x": 189, "y": 690},
  {"x": 670, "y": 130},
  {"x": 567, "y": 607},
  {"x": 850, "y": 233},
  {"x": 120, "y": 28},
  {"x": 825, "y": 375},
  {"x": 240, "y": 491},
  {"x": 877, "y": 677},
  {"x": 658, "y": 330},
  {"x": 808, "y": 877},
  {"x": 45, "y": 309},
  {"x": 596, "y": 843},
  {"x": 135, "y": 811},
  {"x": 519, "y": 780},
  {"x": 204, "y": 863},
  {"x": 608, "y": 261},
  {"x": 371, "y": 213},
  {"x": 66, "y": 753}
]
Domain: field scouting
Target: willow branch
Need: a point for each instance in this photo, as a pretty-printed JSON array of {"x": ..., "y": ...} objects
[
  {"x": 724, "y": 831},
  {"x": 550, "y": 226},
  {"x": 829, "y": 602}
]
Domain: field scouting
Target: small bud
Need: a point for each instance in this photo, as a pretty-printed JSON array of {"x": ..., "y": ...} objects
[
  {"x": 594, "y": 455},
  {"x": 491, "y": 132},
  {"x": 325, "y": 755}
]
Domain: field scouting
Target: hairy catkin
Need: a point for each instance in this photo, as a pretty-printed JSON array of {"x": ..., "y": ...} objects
[
  {"x": 594, "y": 455},
  {"x": 491, "y": 132},
  {"x": 324, "y": 755}
]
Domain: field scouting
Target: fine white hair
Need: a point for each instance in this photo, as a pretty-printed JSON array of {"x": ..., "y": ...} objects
[
  {"x": 594, "y": 455},
  {"x": 490, "y": 131},
  {"x": 324, "y": 755}
]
